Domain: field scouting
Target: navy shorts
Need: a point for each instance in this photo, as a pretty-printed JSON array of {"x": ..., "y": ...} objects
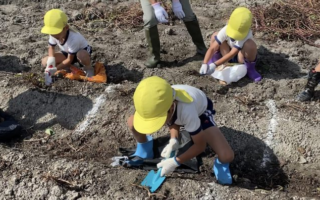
[
  {"x": 75, "y": 59},
  {"x": 206, "y": 118},
  {"x": 234, "y": 59}
]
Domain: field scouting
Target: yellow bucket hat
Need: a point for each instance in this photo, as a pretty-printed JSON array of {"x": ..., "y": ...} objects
[
  {"x": 54, "y": 22},
  {"x": 239, "y": 23},
  {"x": 152, "y": 100}
]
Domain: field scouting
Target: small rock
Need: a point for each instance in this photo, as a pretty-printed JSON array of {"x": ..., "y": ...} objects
[
  {"x": 301, "y": 150},
  {"x": 14, "y": 180},
  {"x": 8, "y": 192},
  {"x": 53, "y": 198},
  {"x": 317, "y": 42},
  {"x": 302, "y": 160},
  {"x": 72, "y": 195},
  {"x": 56, "y": 191},
  {"x": 169, "y": 31}
]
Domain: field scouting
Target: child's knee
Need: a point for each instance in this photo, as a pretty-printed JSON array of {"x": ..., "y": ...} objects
[
  {"x": 130, "y": 123},
  {"x": 83, "y": 56},
  {"x": 250, "y": 46}
]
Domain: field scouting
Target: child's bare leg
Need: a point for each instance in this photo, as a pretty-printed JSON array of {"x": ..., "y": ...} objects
[
  {"x": 248, "y": 52},
  {"x": 248, "y": 55},
  {"x": 84, "y": 58},
  {"x": 219, "y": 144},
  {"x": 58, "y": 56},
  {"x": 138, "y": 136}
]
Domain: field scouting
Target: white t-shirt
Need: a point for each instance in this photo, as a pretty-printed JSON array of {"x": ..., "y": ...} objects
[
  {"x": 222, "y": 36},
  {"x": 187, "y": 114},
  {"x": 73, "y": 43}
]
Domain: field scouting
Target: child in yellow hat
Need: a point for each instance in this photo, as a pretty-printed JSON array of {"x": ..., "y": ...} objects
[
  {"x": 233, "y": 43},
  {"x": 74, "y": 47},
  {"x": 158, "y": 103}
]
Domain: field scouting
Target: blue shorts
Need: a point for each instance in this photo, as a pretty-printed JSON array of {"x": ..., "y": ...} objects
[
  {"x": 75, "y": 59},
  {"x": 206, "y": 118}
]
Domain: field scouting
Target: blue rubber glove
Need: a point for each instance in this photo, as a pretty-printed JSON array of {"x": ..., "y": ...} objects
[
  {"x": 177, "y": 9},
  {"x": 160, "y": 13}
]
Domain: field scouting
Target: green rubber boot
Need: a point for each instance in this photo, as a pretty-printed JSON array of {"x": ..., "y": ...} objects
[
  {"x": 195, "y": 33},
  {"x": 152, "y": 36}
]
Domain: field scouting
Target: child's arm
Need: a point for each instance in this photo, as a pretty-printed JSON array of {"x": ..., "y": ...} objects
[
  {"x": 174, "y": 131},
  {"x": 199, "y": 145},
  {"x": 213, "y": 48},
  {"x": 51, "y": 51},
  {"x": 66, "y": 63}
]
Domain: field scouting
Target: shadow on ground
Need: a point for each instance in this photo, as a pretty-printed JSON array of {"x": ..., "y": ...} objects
[
  {"x": 276, "y": 66},
  {"x": 117, "y": 73},
  {"x": 41, "y": 110},
  {"x": 255, "y": 165},
  {"x": 12, "y": 64}
]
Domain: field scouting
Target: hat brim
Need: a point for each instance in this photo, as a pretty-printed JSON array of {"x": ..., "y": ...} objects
[
  {"x": 51, "y": 30},
  {"x": 235, "y": 34},
  {"x": 148, "y": 126}
]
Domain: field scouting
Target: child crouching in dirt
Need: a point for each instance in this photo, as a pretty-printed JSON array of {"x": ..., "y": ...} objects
[
  {"x": 313, "y": 81},
  {"x": 74, "y": 47},
  {"x": 158, "y": 103},
  {"x": 233, "y": 43}
]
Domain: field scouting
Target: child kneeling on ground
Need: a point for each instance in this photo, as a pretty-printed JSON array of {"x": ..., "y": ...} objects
[
  {"x": 74, "y": 47},
  {"x": 233, "y": 43},
  {"x": 158, "y": 103}
]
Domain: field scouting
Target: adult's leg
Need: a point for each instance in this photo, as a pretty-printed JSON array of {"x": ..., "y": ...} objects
[
  {"x": 191, "y": 22},
  {"x": 152, "y": 35},
  {"x": 313, "y": 81}
]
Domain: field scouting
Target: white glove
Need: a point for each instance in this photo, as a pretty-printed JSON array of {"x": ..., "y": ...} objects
[
  {"x": 172, "y": 146},
  {"x": 168, "y": 166},
  {"x": 177, "y": 9},
  {"x": 51, "y": 61},
  {"x": 51, "y": 66},
  {"x": 160, "y": 13},
  {"x": 207, "y": 69}
]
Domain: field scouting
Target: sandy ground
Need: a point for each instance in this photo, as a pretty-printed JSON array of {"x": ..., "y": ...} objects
[{"x": 275, "y": 139}]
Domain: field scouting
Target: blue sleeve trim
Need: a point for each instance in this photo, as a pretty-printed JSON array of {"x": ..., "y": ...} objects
[
  {"x": 196, "y": 131},
  {"x": 52, "y": 44},
  {"x": 216, "y": 38},
  {"x": 239, "y": 48}
]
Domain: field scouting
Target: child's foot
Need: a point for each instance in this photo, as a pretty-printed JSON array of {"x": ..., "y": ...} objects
[
  {"x": 222, "y": 172},
  {"x": 89, "y": 71}
]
